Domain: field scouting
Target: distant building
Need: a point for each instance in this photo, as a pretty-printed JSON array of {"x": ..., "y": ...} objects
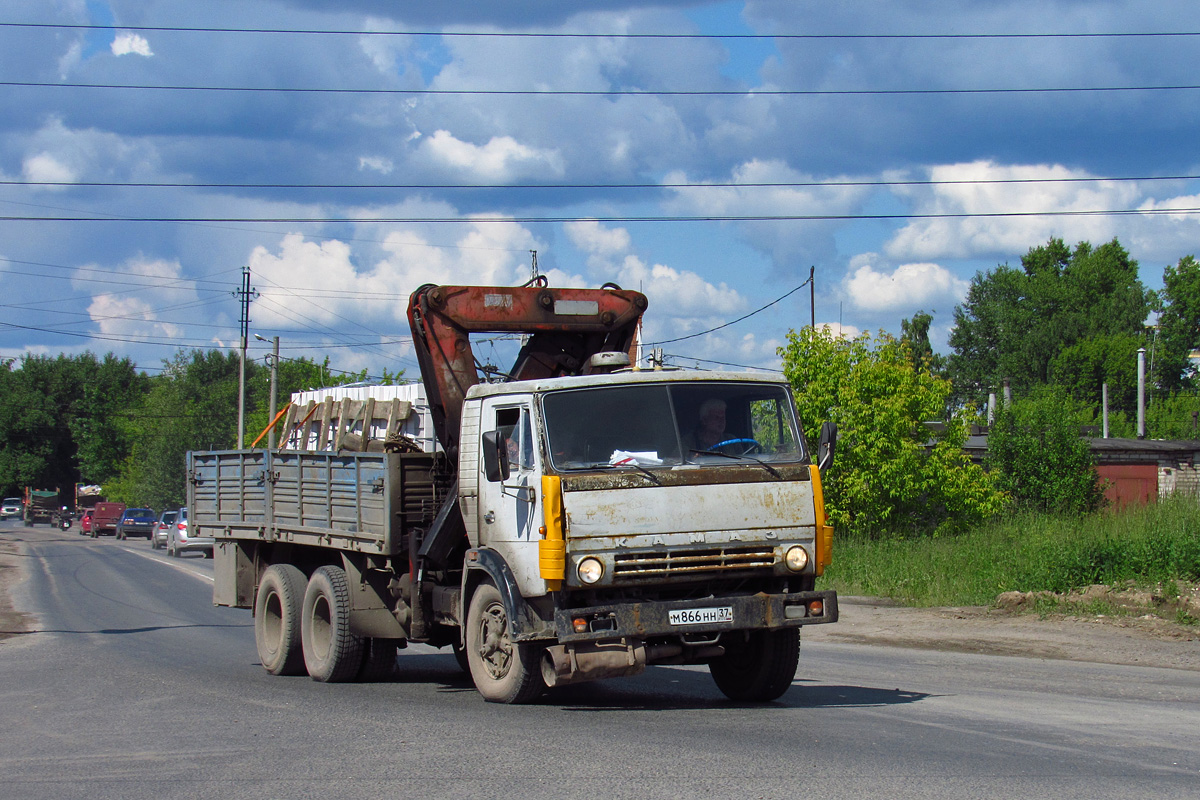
[{"x": 1133, "y": 470}]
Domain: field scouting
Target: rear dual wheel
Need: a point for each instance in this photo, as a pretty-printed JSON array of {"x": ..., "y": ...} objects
[
  {"x": 304, "y": 626},
  {"x": 332, "y": 653},
  {"x": 277, "y": 609}
]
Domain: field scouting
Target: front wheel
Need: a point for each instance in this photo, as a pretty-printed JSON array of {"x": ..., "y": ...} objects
[
  {"x": 504, "y": 671},
  {"x": 277, "y": 607},
  {"x": 758, "y": 666},
  {"x": 331, "y": 652}
]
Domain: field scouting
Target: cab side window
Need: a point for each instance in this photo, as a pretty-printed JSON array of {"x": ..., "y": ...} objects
[{"x": 517, "y": 428}]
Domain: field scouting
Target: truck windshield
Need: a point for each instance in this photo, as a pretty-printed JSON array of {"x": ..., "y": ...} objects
[{"x": 658, "y": 424}]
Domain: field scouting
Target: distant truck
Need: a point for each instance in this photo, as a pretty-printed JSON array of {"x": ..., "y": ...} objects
[
  {"x": 105, "y": 517},
  {"x": 579, "y": 521},
  {"x": 41, "y": 505},
  {"x": 87, "y": 496}
]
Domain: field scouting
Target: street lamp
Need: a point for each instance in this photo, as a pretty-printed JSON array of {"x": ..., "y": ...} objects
[{"x": 274, "y": 383}]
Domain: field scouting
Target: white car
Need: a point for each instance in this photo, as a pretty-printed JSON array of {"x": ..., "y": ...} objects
[
  {"x": 12, "y": 507},
  {"x": 178, "y": 541}
]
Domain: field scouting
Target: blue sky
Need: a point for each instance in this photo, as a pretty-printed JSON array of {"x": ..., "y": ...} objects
[{"x": 907, "y": 145}]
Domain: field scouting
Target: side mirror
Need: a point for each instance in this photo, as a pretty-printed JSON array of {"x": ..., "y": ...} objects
[
  {"x": 495, "y": 456},
  {"x": 827, "y": 445}
]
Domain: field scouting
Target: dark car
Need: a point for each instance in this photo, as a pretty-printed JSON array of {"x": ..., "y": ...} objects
[
  {"x": 137, "y": 522},
  {"x": 166, "y": 521}
]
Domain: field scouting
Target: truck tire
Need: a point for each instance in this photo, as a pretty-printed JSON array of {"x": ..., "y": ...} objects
[
  {"x": 759, "y": 668},
  {"x": 504, "y": 671},
  {"x": 460, "y": 656},
  {"x": 332, "y": 653},
  {"x": 277, "y": 608},
  {"x": 379, "y": 660}
]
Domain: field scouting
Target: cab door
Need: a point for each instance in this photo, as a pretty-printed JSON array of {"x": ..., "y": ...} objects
[{"x": 510, "y": 511}]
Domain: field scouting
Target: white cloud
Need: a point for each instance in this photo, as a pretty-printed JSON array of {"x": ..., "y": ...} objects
[
  {"x": 799, "y": 241},
  {"x": 590, "y": 236},
  {"x": 70, "y": 59},
  {"x": 971, "y": 189},
  {"x": 839, "y": 330},
  {"x": 813, "y": 199},
  {"x": 672, "y": 292},
  {"x": 131, "y": 44},
  {"x": 44, "y": 167},
  {"x": 340, "y": 293},
  {"x": 59, "y": 154},
  {"x": 501, "y": 158},
  {"x": 907, "y": 287},
  {"x": 137, "y": 312},
  {"x": 376, "y": 163}
]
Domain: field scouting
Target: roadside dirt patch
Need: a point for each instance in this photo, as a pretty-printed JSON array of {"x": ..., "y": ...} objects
[
  {"x": 1144, "y": 640},
  {"x": 12, "y": 621}
]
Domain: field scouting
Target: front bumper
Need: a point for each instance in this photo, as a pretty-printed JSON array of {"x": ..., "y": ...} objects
[{"x": 652, "y": 619}]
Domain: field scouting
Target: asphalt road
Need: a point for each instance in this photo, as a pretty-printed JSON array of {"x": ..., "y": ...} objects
[{"x": 134, "y": 686}]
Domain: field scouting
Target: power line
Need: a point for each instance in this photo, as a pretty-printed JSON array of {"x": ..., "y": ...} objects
[
  {"x": 560, "y": 186},
  {"x": 732, "y": 321},
  {"x": 720, "y": 363},
  {"x": 571, "y": 35},
  {"x": 604, "y": 92},
  {"x": 624, "y": 218}
]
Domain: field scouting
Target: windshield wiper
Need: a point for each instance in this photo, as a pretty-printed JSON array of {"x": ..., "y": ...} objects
[
  {"x": 634, "y": 464},
  {"x": 758, "y": 461}
]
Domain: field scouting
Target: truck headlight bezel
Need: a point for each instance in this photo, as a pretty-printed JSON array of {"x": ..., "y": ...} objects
[
  {"x": 589, "y": 570},
  {"x": 796, "y": 558}
]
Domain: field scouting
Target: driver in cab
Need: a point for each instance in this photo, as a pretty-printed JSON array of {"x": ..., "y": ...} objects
[{"x": 710, "y": 430}]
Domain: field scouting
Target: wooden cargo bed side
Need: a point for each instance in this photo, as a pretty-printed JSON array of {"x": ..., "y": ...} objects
[{"x": 362, "y": 502}]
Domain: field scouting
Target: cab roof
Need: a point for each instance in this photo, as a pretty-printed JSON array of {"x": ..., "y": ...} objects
[{"x": 623, "y": 378}]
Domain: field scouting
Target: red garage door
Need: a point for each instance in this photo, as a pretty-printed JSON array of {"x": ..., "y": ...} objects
[{"x": 1125, "y": 484}]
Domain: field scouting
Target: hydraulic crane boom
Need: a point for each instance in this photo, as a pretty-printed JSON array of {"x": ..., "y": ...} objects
[{"x": 566, "y": 327}]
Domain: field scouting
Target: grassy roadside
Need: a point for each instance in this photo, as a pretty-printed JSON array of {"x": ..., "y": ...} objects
[{"x": 1152, "y": 551}]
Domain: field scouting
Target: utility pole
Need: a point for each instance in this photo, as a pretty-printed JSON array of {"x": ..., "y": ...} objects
[
  {"x": 274, "y": 385},
  {"x": 245, "y": 294},
  {"x": 812, "y": 297},
  {"x": 534, "y": 271},
  {"x": 1141, "y": 393}
]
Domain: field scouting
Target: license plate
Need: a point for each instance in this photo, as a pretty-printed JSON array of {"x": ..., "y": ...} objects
[{"x": 700, "y": 616}]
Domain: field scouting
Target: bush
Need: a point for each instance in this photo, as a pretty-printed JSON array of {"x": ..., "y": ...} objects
[
  {"x": 890, "y": 475},
  {"x": 1037, "y": 454}
]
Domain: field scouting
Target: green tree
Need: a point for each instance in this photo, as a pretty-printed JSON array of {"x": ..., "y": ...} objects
[
  {"x": 112, "y": 387},
  {"x": 26, "y": 449},
  {"x": 1015, "y": 323},
  {"x": 1083, "y": 368},
  {"x": 192, "y": 405},
  {"x": 915, "y": 334},
  {"x": 1178, "y": 326},
  {"x": 1176, "y": 416},
  {"x": 892, "y": 473},
  {"x": 1038, "y": 456}
]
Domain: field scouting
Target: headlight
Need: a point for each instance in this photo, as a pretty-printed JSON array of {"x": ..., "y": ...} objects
[
  {"x": 796, "y": 558},
  {"x": 590, "y": 570}
]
